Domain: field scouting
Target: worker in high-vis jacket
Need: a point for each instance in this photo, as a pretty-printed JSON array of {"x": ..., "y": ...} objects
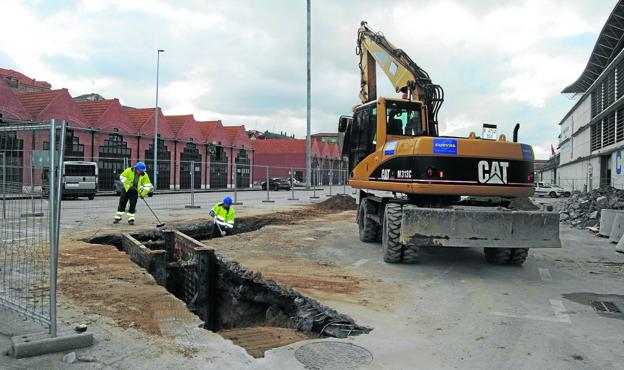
[
  {"x": 223, "y": 215},
  {"x": 136, "y": 183}
]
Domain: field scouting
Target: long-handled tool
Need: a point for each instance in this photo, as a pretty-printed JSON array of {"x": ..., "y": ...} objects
[{"x": 160, "y": 223}]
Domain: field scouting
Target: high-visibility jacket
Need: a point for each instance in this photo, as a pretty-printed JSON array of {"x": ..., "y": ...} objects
[
  {"x": 143, "y": 185},
  {"x": 224, "y": 217}
]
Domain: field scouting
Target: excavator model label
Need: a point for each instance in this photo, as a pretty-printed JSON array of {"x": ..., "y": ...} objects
[{"x": 445, "y": 146}]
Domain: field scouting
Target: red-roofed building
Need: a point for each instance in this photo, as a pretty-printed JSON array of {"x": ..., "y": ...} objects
[
  {"x": 241, "y": 151},
  {"x": 10, "y": 106},
  {"x": 190, "y": 150},
  {"x": 115, "y": 143},
  {"x": 280, "y": 155},
  {"x": 45, "y": 105},
  {"x": 217, "y": 151},
  {"x": 20, "y": 82}
]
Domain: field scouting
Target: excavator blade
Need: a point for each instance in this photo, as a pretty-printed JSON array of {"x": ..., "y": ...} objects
[{"x": 479, "y": 227}]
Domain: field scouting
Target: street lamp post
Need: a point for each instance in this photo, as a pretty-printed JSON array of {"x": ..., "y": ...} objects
[
  {"x": 308, "y": 116},
  {"x": 155, "y": 179}
]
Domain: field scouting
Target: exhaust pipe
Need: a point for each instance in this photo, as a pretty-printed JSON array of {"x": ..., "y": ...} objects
[{"x": 515, "y": 133}]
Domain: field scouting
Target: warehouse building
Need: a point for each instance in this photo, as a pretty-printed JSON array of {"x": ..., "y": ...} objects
[
  {"x": 592, "y": 132},
  {"x": 202, "y": 154},
  {"x": 103, "y": 131}
]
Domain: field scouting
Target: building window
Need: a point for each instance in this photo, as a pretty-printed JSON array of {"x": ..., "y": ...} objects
[
  {"x": 596, "y": 136},
  {"x": 609, "y": 129}
]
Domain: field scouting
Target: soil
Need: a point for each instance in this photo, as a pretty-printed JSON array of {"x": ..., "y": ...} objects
[
  {"x": 104, "y": 281},
  {"x": 259, "y": 339}
]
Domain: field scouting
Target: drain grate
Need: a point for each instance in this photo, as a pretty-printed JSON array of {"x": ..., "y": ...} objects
[
  {"x": 333, "y": 355},
  {"x": 605, "y": 306}
]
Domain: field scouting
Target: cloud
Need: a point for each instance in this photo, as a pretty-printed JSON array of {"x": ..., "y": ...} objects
[{"x": 500, "y": 61}]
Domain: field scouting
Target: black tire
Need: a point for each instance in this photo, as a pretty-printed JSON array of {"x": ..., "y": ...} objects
[
  {"x": 552, "y": 194},
  {"x": 518, "y": 256},
  {"x": 410, "y": 254},
  {"x": 91, "y": 196},
  {"x": 506, "y": 256},
  {"x": 392, "y": 247},
  {"x": 369, "y": 229},
  {"x": 567, "y": 194},
  {"x": 497, "y": 256}
]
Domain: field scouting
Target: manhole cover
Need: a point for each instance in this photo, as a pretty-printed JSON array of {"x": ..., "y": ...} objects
[
  {"x": 333, "y": 355},
  {"x": 605, "y": 306}
]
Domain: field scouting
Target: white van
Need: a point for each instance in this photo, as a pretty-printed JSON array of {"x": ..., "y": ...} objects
[{"x": 80, "y": 179}]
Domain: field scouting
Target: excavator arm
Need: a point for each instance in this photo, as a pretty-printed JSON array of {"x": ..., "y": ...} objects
[{"x": 405, "y": 75}]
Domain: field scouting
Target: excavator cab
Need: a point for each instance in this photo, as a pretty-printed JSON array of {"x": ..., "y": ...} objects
[{"x": 374, "y": 123}]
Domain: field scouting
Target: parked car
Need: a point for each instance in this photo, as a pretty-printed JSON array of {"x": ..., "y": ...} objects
[
  {"x": 79, "y": 179},
  {"x": 277, "y": 184},
  {"x": 551, "y": 190}
]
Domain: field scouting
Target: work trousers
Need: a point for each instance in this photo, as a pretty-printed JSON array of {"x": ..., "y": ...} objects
[{"x": 131, "y": 195}]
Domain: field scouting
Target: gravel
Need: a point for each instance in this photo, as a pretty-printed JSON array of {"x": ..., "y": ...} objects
[{"x": 582, "y": 210}]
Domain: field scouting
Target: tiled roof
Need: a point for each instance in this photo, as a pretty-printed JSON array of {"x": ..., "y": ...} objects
[
  {"x": 138, "y": 116},
  {"x": 177, "y": 122},
  {"x": 10, "y": 106},
  {"x": 22, "y": 78},
  {"x": 36, "y": 101},
  {"x": 93, "y": 110},
  {"x": 280, "y": 146}
]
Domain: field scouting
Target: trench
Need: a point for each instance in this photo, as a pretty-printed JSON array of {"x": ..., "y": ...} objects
[{"x": 254, "y": 312}]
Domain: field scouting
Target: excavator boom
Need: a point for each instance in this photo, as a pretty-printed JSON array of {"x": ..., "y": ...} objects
[{"x": 405, "y": 75}]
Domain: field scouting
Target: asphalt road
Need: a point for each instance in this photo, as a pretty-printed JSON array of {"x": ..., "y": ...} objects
[{"x": 451, "y": 310}]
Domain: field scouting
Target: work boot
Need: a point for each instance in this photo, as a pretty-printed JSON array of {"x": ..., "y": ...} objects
[
  {"x": 130, "y": 222},
  {"x": 116, "y": 221}
]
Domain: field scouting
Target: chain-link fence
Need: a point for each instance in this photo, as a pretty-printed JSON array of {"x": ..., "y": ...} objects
[{"x": 29, "y": 228}]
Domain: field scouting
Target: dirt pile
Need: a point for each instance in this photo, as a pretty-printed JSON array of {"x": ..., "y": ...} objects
[
  {"x": 340, "y": 202},
  {"x": 583, "y": 209}
]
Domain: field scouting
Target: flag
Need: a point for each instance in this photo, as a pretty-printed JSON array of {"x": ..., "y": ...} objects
[{"x": 552, "y": 150}]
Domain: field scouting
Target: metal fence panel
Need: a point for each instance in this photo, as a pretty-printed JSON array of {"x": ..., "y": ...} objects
[{"x": 29, "y": 231}]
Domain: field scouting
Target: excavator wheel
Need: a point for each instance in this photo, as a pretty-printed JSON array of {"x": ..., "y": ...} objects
[
  {"x": 392, "y": 247},
  {"x": 410, "y": 254},
  {"x": 518, "y": 256},
  {"x": 367, "y": 227},
  {"x": 506, "y": 256}
]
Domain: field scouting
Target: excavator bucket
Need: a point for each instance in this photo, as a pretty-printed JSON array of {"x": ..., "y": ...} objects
[{"x": 467, "y": 226}]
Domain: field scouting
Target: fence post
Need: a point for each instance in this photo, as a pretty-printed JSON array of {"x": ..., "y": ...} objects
[
  {"x": 343, "y": 176},
  {"x": 331, "y": 180},
  {"x": 268, "y": 187},
  {"x": 192, "y": 205},
  {"x": 292, "y": 185},
  {"x": 3, "y": 185},
  {"x": 235, "y": 183},
  {"x": 314, "y": 184}
]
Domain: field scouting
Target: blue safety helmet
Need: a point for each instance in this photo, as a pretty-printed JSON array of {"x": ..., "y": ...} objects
[
  {"x": 227, "y": 201},
  {"x": 140, "y": 166}
]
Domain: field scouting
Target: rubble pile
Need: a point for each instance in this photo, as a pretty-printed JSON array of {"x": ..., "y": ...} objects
[{"x": 582, "y": 210}]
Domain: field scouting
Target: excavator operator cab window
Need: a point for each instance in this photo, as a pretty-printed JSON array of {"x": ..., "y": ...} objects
[{"x": 404, "y": 121}]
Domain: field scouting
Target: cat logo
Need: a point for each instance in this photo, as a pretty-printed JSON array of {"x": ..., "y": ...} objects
[{"x": 494, "y": 173}]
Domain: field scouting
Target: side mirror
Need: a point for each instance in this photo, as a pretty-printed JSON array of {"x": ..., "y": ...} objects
[{"x": 343, "y": 123}]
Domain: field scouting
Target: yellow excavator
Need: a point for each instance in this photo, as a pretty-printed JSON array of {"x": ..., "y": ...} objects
[{"x": 418, "y": 189}]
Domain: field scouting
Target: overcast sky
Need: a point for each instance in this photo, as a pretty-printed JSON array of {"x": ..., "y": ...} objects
[{"x": 244, "y": 61}]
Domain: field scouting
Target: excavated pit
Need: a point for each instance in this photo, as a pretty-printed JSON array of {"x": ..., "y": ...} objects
[{"x": 252, "y": 311}]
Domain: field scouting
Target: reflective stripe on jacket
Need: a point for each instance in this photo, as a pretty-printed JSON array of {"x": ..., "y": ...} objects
[
  {"x": 224, "y": 217},
  {"x": 144, "y": 184}
]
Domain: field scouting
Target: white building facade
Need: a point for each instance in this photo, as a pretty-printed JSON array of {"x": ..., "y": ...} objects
[{"x": 591, "y": 142}]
